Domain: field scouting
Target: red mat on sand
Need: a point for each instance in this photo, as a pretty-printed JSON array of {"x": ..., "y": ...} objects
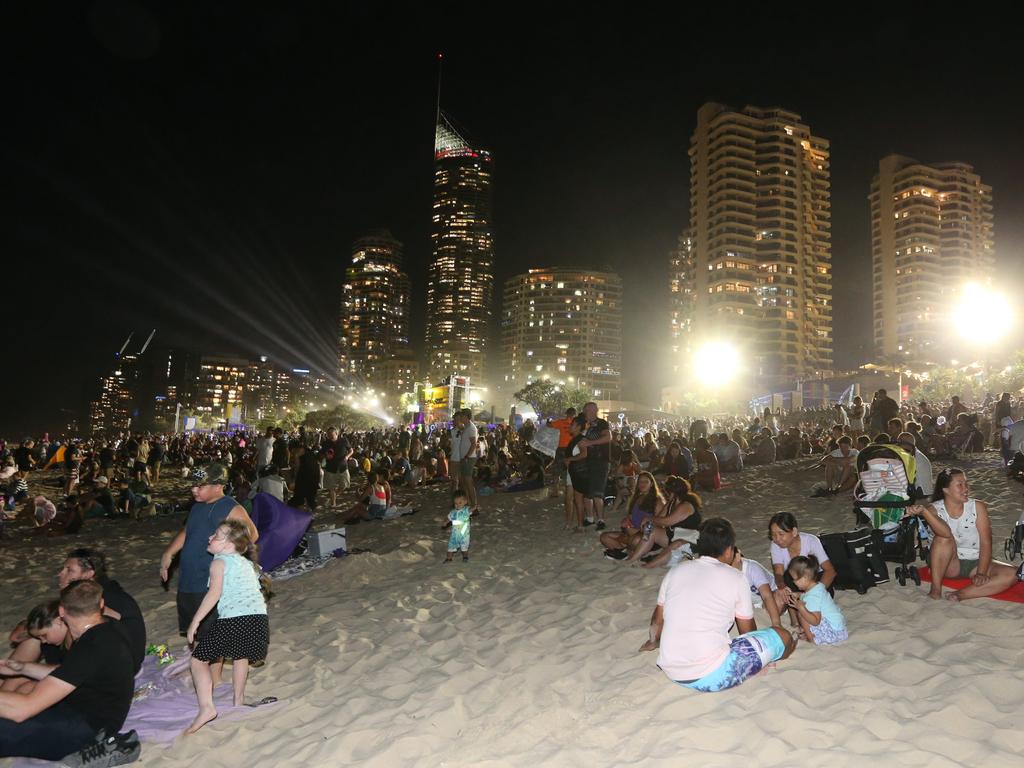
[{"x": 1014, "y": 594}]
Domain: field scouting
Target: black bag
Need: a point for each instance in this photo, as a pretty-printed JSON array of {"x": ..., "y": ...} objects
[
  {"x": 857, "y": 558},
  {"x": 1015, "y": 469}
]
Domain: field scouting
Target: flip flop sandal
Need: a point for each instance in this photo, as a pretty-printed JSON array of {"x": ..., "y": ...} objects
[{"x": 264, "y": 700}]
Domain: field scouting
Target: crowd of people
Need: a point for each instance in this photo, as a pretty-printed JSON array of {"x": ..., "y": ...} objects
[{"x": 73, "y": 659}]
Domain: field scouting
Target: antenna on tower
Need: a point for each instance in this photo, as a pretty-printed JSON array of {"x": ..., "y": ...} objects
[
  {"x": 118, "y": 355},
  {"x": 440, "y": 67},
  {"x": 151, "y": 335}
]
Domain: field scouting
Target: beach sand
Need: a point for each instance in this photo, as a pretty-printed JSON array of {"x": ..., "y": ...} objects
[{"x": 527, "y": 655}]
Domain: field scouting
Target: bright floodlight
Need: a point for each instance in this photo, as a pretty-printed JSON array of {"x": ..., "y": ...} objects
[
  {"x": 983, "y": 316},
  {"x": 717, "y": 362}
]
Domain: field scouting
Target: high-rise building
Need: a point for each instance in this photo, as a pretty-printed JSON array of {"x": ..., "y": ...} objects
[
  {"x": 397, "y": 376},
  {"x": 220, "y": 388},
  {"x": 931, "y": 233},
  {"x": 461, "y": 273},
  {"x": 565, "y": 325},
  {"x": 126, "y": 399},
  {"x": 760, "y": 216},
  {"x": 682, "y": 281},
  {"x": 374, "y": 309}
]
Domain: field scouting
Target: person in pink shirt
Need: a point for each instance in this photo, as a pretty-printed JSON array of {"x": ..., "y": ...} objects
[{"x": 697, "y": 604}]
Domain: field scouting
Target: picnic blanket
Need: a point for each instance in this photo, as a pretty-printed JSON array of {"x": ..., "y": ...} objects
[
  {"x": 165, "y": 704},
  {"x": 1014, "y": 594}
]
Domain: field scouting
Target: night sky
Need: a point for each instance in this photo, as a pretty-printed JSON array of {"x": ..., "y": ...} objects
[{"x": 202, "y": 168}]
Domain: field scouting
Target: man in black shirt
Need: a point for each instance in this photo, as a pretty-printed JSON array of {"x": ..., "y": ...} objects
[
  {"x": 91, "y": 565},
  {"x": 335, "y": 452},
  {"x": 597, "y": 436},
  {"x": 90, "y": 691},
  {"x": 23, "y": 456}
]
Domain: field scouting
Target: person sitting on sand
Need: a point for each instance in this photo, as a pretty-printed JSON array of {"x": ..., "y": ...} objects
[
  {"x": 762, "y": 586},
  {"x": 625, "y": 475},
  {"x": 962, "y": 540},
  {"x": 707, "y": 477},
  {"x": 698, "y": 602},
  {"x": 645, "y": 503},
  {"x": 841, "y": 466},
  {"x": 90, "y": 692},
  {"x": 42, "y": 638},
  {"x": 821, "y": 621},
  {"x": 764, "y": 450},
  {"x": 787, "y": 543},
  {"x": 680, "y": 512},
  {"x": 676, "y": 462},
  {"x": 730, "y": 457}
]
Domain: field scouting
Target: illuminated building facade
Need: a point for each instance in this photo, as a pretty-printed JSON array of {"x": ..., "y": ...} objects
[
  {"x": 931, "y": 233},
  {"x": 397, "y": 376},
  {"x": 461, "y": 273},
  {"x": 374, "y": 309},
  {"x": 111, "y": 411},
  {"x": 760, "y": 222},
  {"x": 682, "y": 274},
  {"x": 564, "y": 325},
  {"x": 220, "y": 387}
]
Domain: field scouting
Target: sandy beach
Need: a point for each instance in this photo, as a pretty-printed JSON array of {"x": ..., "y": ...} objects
[{"x": 527, "y": 655}]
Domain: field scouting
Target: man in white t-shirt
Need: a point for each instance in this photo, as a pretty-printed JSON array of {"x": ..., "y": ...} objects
[
  {"x": 841, "y": 466},
  {"x": 697, "y": 604}
]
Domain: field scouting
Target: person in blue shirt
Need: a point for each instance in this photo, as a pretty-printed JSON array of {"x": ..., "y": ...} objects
[{"x": 821, "y": 621}]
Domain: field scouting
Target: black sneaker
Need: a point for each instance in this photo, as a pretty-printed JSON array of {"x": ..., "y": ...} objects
[
  {"x": 1020, "y": 572},
  {"x": 616, "y": 554},
  {"x": 119, "y": 749},
  {"x": 587, "y": 523},
  {"x": 600, "y": 525}
]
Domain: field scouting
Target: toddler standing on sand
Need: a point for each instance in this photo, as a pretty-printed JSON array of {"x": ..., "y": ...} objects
[
  {"x": 241, "y": 632},
  {"x": 821, "y": 621},
  {"x": 458, "y": 519}
]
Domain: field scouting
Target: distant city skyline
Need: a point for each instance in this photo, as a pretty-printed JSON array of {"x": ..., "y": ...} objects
[{"x": 216, "y": 198}]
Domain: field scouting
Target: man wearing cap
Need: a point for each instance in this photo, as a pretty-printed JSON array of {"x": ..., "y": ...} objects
[{"x": 210, "y": 509}]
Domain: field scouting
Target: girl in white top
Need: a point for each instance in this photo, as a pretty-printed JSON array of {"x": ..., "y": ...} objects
[{"x": 962, "y": 547}]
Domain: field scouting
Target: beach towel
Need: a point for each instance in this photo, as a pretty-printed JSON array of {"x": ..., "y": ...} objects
[
  {"x": 1014, "y": 594},
  {"x": 281, "y": 529}
]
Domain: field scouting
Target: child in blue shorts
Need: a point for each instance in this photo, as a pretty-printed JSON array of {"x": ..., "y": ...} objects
[{"x": 820, "y": 618}]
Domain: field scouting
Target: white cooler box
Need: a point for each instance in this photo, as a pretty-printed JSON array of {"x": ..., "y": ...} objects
[{"x": 321, "y": 543}]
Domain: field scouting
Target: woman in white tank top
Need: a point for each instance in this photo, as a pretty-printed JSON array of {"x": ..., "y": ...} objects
[{"x": 962, "y": 547}]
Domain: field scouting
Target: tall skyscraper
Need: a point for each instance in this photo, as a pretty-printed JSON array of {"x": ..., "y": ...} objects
[
  {"x": 374, "y": 309},
  {"x": 931, "y": 233},
  {"x": 461, "y": 274},
  {"x": 220, "y": 387},
  {"x": 563, "y": 324},
  {"x": 683, "y": 296},
  {"x": 760, "y": 216}
]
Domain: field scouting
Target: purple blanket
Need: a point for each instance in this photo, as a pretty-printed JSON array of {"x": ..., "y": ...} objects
[
  {"x": 165, "y": 704},
  {"x": 281, "y": 529}
]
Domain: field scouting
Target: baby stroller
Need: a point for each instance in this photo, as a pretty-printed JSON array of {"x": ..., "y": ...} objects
[
  {"x": 887, "y": 486},
  {"x": 1015, "y": 542}
]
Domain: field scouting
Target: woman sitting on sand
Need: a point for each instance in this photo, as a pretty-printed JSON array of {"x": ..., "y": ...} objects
[
  {"x": 707, "y": 477},
  {"x": 962, "y": 544},
  {"x": 43, "y": 638},
  {"x": 787, "y": 543},
  {"x": 645, "y": 504},
  {"x": 681, "y": 511},
  {"x": 675, "y": 463}
]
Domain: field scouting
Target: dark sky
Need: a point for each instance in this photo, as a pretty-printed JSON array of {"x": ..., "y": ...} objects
[{"x": 202, "y": 168}]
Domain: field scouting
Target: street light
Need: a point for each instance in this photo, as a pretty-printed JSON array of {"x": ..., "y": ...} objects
[
  {"x": 717, "y": 362},
  {"x": 983, "y": 315}
]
